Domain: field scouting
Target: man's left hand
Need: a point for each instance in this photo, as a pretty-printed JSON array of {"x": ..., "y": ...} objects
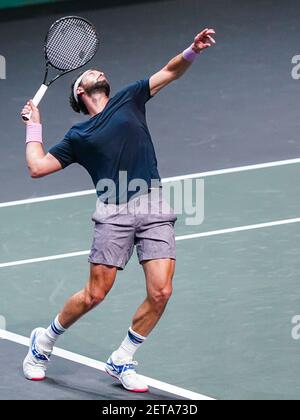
[{"x": 204, "y": 40}]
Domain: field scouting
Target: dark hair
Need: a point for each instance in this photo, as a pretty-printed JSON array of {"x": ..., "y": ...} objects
[{"x": 77, "y": 106}]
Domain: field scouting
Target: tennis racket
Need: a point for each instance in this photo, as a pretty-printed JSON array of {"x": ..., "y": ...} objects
[{"x": 70, "y": 43}]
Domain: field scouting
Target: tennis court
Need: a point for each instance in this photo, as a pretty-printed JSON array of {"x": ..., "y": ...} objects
[
  {"x": 232, "y": 122},
  {"x": 228, "y": 326}
]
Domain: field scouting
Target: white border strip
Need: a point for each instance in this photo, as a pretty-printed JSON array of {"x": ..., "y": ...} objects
[
  {"x": 178, "y": 238},
  {"x": 164, "y": 180},
  {"x": 86, "y": 361}
]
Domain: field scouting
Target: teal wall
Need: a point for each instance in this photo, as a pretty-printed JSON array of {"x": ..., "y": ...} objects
[{"x": 17, "y": 3}]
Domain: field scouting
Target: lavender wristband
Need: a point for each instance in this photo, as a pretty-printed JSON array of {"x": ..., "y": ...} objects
[
  {"x": 34, "y": 133},
  {"x": 190, "y": 55}
]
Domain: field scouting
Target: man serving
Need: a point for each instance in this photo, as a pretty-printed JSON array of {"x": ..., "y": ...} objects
[{"x": 114, "y": 140}]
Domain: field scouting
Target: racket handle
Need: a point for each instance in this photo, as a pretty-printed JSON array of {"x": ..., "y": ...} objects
[{"x": 36, "y": 100}]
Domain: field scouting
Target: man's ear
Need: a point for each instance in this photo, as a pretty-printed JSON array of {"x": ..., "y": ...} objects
[{"x": 80, "y": 90}]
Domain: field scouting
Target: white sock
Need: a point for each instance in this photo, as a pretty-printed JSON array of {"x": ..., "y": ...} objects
[
  {"x": 47, "y": 340},
  {"x": 129, "y": 346}
]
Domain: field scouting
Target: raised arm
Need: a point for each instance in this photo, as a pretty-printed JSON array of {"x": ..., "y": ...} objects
[
  {"x": 39, "y": 163},
  {"x": 179, "y": 64}
]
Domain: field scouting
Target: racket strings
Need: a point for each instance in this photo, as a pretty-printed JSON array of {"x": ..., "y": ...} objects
[{"x": 71, "y": 43}]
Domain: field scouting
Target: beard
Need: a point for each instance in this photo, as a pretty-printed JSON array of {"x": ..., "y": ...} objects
[{"x": 98, "y": 87}]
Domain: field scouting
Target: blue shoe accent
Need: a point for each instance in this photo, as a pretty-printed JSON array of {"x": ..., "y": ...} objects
[
  {"x": 119, "y": 369},
  {"x": 116, "y": 369},
  {"x": 126, "y": 374},
  {"x": 35, "y": 351},
  {"x": 128, "y": 366}
]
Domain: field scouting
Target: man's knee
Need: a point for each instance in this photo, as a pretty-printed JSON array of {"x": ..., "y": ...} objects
[
  {"x": 100, "y": 283},
  {"x": 92, "y": 298},
  {"x": 160, "y": 296}
]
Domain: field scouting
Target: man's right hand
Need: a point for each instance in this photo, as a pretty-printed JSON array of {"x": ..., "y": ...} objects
[{"x": 35, "y": 116}]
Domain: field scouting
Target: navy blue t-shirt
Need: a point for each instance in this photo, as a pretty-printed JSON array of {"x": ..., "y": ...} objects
[{"x": 117, "y": 139}]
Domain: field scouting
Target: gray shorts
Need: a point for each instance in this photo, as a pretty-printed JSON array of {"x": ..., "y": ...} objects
[{"x": 146, "y": 221}]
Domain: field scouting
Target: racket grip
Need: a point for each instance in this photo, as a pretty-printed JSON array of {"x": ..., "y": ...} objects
[{"x": 36, "y": 100}]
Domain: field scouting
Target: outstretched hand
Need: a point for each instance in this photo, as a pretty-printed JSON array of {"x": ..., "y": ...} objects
[{"x": 203, "y": 40}]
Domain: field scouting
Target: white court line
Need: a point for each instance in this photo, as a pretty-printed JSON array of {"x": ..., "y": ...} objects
[
  {"x": 238, "y": 229},
  {"x": 178, "y": 238},
  {"x": 233, "y": 170},
  {"x": 164, "y": 180},
  {"x": 42, "y": 259},
  {"x": 48, "y": 198},
  {"x": 86, "y": 361}
]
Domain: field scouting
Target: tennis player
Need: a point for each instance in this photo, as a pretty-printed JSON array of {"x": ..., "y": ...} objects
[{"x": 115, "y": 139}]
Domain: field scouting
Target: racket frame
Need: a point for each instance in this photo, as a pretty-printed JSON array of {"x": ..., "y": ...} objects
[{"x": 43, "y": 88}]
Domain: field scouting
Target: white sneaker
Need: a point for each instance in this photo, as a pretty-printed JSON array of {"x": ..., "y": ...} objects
[
  {"x": 126, "y": 373},
  {"x": 36, "y": 361}
]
